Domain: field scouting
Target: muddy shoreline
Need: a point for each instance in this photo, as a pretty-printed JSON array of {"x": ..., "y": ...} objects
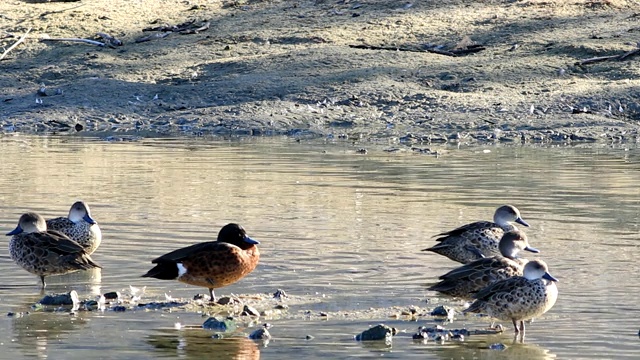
[{"x": 273, "y": 68}]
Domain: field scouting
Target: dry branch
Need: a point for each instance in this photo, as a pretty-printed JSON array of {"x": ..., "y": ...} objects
[
  {"x": 87, "y": 41},
  {"x": 454, "y": 52},
  {"x": 24, "y": 36},
  {"x": 620, "y": 57}
]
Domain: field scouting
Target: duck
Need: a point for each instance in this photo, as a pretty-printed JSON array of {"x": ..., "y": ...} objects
[
  {"x": 79, "y": 226},
  {"x": 518, "y": 298},
  {"x": 479, "y": 239},
  {"x": 464, "y": 281},
  {"x": 211, "y": 264},
  {"x": 44, "y": 252}
]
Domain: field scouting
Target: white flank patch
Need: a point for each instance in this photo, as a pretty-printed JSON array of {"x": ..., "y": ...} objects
[{"x": 181, "y": 269}]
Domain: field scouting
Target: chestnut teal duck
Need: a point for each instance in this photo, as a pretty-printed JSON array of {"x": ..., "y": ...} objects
[
  {"x": 79, "y": 226},
  {"x": 464, "y": 281},
  {"x": 479, "y": 239},
  {"x": 518, "y": 298},
  {"x": 46, "y": 252},
  {"x": 211, "y": 264}
]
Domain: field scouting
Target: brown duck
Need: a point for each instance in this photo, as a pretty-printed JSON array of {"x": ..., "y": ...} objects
[{"x": 211, "y": 264}]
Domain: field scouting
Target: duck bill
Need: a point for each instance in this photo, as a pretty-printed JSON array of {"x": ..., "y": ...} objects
[
  {"x": 249, "y": 240},
  {"x": 522, "y": 222},
  {"x": 15, "y": 231},
  {"x": 533, "y": 250},
  {"x": 548, "y": 276},
  {"x": 89, "y": 219}
]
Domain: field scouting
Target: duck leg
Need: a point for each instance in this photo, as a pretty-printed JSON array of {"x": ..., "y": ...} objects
[
  {"x": 515, "y": 325},
  {"x": 42, "y": 279},
  {"x": 213, "y": 295}
]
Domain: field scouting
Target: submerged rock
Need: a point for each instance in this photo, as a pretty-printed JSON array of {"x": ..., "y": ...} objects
[
  {"x": 225, "y": 325},
  {"x": 70, "y": 298},
  {"x": 378, "y": 332},
  {"x": 260, "y": 334}
]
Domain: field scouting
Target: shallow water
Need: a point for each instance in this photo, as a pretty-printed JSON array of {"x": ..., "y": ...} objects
[{"x": 338, "y": 229}]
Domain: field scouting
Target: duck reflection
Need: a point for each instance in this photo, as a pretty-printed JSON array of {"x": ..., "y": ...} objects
[
  {"x": 35, "y": 331},
  {"x": 479, "y": 349},
  {"x": 200, "y": 344}
]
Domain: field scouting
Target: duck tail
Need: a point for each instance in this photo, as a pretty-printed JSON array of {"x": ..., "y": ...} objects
[
  {"x": 84, "y": 262},
  {"x": 163, "y": 271}
]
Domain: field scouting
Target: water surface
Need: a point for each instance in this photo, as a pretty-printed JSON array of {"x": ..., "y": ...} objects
[{"x": 340, "y": 228}]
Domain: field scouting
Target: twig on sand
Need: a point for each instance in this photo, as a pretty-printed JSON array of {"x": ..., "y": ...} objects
[
  {"x": 620, "y": 57},
  {"x": 87, "y": 41},
  {"x": 21, "y": 39},
  {"x": 153, "y": 37}
]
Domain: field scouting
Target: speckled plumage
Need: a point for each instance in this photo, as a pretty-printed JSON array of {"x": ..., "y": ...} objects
[
  {"x": 518, "y": 298},
  {"x": 479, "y": 239},
  {"x": 79, "y": 226},
  {"x": 464, "y": 281},
  {"x": 212, "y": 264},
  {"x": 46, "y": 252}
]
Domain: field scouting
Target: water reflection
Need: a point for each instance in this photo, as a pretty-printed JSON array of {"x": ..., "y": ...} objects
[
  {"x": 37, "y": 331},
  {"x": 196, "y": 343},
  {"x": 479, "y": 349}
]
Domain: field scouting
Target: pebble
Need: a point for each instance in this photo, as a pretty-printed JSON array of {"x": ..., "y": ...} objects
[
  {"x": 113, "y": 295},
  {"x": 280, "y": 294},
  {"x": 249, "y": 311},
  {"x": 498, "y": 346}
]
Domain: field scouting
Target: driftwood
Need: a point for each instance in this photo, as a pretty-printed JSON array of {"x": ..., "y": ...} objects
[
  {"x": 186, "y": 28},
  {"x": 620, "y": 57},
  {"x": 469, "y": 49},
  {"x": 87, "y": 41},
  {"x": 21, "y": 39}
]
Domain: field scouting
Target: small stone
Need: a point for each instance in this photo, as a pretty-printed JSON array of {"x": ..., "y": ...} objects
[
  {"x": 201, "y": 297},
  {"x": 114, "y": 295},
  {"x": 280, "y": 294},
  {"x": 309, "y": 337},
  {"x": 250, "y": 311},
  {"x": 226, "y": 300},
  {"x": 79, "y": 127},
  {"x": 443, "y": 311},
  {"x": 324, "y": 314},
  {"x": 498, "y": 346},
  {"x": 378, "y": 332},
  {"x": 463, "y": 332},
  {"x": 282, "y": 306},
  {"x": 361, "y": 151},
  {"x": 119, "y": 308},
  {"x": 421, "y": 335}
]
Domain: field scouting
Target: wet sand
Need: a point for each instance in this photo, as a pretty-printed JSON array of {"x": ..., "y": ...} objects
[{"x": 290, "y": 68}]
